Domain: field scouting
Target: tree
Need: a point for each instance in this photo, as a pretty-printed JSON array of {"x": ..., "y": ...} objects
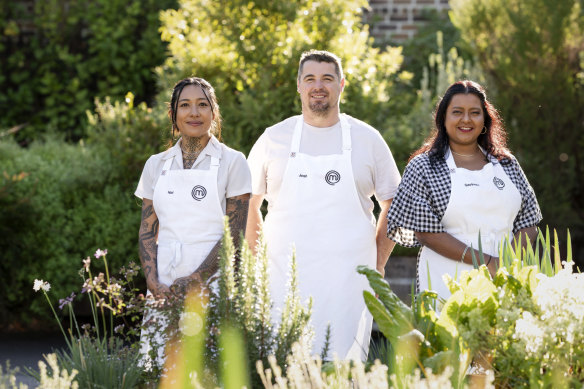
[
  {"x": 250, "y": 50},
  {"x": 533, "y": 53}
]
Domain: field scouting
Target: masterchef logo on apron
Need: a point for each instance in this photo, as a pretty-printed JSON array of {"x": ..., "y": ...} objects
[
  {"x": 199, "y": 192},
  {"x": 499, "y": 183},
  {"x": 332, "y": 177}
]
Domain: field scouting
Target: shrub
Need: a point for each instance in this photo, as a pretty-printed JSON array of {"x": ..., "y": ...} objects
[
  {"x": 63, "y": 204},
  {"x": 56, "y": 56},
  {"x": 126, "y": 135},
  {"x": 533, "y": 54}
]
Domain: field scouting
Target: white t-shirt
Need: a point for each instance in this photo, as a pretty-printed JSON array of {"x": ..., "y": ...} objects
[
  {"x": 374, "y": 168},
  {"x": 233, "y": 177}
]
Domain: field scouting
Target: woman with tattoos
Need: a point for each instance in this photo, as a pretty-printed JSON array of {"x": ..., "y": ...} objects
[{"x": 186, "y": 191}]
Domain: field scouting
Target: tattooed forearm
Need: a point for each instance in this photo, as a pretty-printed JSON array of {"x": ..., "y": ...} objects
[
  {"x": 147, "y": 241},
  {"x": 236, "y": 210},
  {"x": 211, "y": 264}
]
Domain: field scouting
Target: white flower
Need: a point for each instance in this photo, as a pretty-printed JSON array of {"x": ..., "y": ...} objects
[
  {"x": 37, "y": 285},
  {"x": 86, "y": 263},
  {"x": 40, "y": 284},
  {"x": 100, "y": 253}
]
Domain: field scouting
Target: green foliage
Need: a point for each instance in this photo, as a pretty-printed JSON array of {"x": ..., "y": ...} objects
[
  {"x": 55, "y": 58},
  {"x": 126, "y": 135},
  {"x": 416, "y": 335},
  {"x": 58, "y": 204},
  {"x": 423, "y": 44},
  {"x": 243, "y": 302},
  {"x": 525, "y": 323},
  {"x": 101, "y": 363},
  {"x": 532, "y": 52},
  {"x": 250, "y": 51}
]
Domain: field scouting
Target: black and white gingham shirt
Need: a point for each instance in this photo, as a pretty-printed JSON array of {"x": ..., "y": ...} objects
[{"x": 424, "y": 192}]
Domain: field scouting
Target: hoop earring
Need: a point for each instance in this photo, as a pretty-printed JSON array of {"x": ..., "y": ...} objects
[{"x": 484, "y": 131}]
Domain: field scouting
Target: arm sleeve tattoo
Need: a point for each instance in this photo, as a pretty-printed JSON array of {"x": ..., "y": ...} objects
[
  {"x": 236, "y": 210},
  {"x": 147, "y": 241}
]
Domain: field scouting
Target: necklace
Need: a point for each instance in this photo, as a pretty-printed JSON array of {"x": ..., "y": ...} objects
[{"x": 463, "y": 155}]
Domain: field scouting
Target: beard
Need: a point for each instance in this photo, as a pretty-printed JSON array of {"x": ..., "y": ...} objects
[{"x": 320, "y": 108}]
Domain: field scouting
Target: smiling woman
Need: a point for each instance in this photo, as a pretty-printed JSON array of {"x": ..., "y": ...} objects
[
  {"x": 186, "y": 191},
  {"x": 462, "y": 184}
]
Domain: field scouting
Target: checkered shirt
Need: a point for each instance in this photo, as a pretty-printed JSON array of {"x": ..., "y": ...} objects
[{"x": 424, "y": 192}]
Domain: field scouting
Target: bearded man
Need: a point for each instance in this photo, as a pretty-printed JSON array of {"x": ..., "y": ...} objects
[{"x": 318, "y": 172}]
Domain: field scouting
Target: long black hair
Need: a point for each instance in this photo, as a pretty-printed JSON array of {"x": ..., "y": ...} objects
[
  {"x": 209, "y": 93},
  {"x": 493, "y": 141}
]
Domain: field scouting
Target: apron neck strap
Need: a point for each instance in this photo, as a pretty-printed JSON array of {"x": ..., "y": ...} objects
[
  {"x": 166, "y": 166},
  {"x": 450, "y": 160},
  {"x": 345, "y": 131}
]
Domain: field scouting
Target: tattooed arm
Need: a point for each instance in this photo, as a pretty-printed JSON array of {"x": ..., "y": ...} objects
[
  {"x": 236, "y": 209},
  {"x": 147, "y": 239}
]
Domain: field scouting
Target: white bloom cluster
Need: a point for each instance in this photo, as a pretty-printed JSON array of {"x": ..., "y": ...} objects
[
  {"x": 560, "y": 323},
  {"x": 40, "y": 284}
]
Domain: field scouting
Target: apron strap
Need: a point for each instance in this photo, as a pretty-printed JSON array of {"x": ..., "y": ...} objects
[
  {"x": 166, "y": 166},
  {"x": 346, "y": 132},
  {"x": 450, "y": 161},
  {"x": 296, "y": 135}
]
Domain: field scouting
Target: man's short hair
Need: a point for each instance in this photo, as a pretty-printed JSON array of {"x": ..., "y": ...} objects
[{"x": 321, "y": 56}]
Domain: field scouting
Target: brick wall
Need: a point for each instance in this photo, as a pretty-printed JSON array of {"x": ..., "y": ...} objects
[{"x": 398, "y": 20}]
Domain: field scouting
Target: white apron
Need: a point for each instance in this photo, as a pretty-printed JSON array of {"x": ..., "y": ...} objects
[
  {"x": 319, "y": 213},
  {"x": 190, "y": 217},
  {"x": 483, "y": 200}
]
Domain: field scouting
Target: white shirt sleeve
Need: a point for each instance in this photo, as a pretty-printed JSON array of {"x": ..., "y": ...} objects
[
  {"x": 257, "y": 165},
  {"x": 239, "y": 177},
  {"x": 145, "y": 189},
  {"x": 386, "y": 174}
]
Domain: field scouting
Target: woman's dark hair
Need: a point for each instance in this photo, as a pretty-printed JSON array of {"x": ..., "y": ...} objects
[
  {"x": 494, "y": 141},
  {"x": 209, "y": 93}
]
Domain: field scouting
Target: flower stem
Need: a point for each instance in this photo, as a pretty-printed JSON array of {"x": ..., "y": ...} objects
[{"x": 57, "y": 318}]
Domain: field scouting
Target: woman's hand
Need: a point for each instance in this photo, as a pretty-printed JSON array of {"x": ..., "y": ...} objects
[
  {"x": 159, "y": 290},
  {"x": 182, "y": 285},
  {"x": 492, "y": 263}
]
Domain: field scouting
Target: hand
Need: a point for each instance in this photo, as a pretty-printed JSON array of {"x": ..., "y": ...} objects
[
  {"x": 381, "y": 269},
  {"x": 492, "y": 266},
  {"x": 181, "y": 286},
  {"x": 159, "y": 290}
]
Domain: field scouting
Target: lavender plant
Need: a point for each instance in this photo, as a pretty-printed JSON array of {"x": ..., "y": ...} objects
[{"x": 99, "y": 356}]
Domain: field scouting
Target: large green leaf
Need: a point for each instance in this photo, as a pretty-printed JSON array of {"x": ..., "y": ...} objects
[{"x": 385, "y": 321}]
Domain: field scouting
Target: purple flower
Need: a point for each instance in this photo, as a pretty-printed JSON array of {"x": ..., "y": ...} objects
[{"x": 66, "y": 300}]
